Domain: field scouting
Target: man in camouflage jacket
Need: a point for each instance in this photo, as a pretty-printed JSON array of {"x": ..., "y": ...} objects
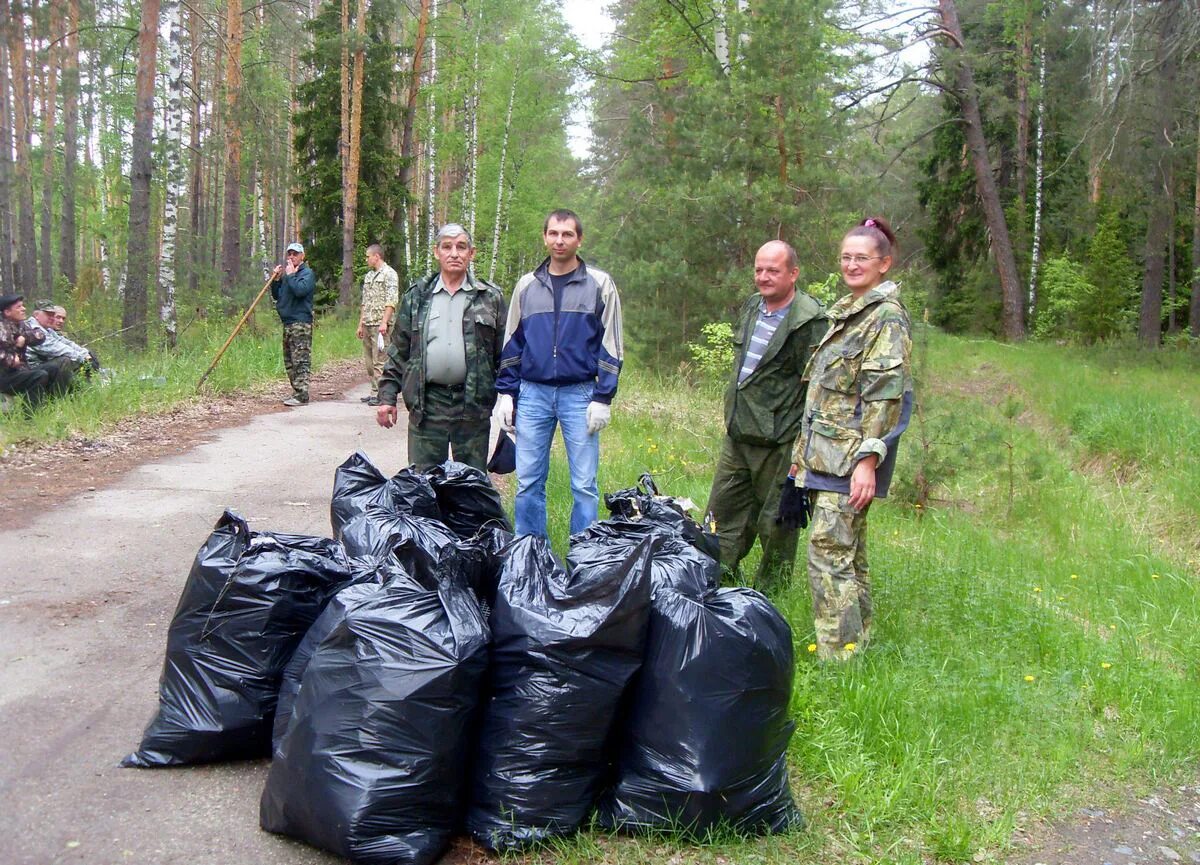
[
  {"x": 860, "y": 399},
  {"x": 443, "y": 357},
  {"x": 380, "y": 297},
  {"x": 16, "y": 337},
  {"x": 764, "y": 402}
]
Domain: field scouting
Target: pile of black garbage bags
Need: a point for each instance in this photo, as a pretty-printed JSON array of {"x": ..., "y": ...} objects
[{"x": 425, "y": 672}]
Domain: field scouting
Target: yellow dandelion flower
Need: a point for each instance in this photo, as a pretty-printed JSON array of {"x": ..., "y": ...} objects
[
  {"x": 1106, "y": 666},
  {"x": 850, "y": 647},
  {"x": 1037, "y": 588},
  {"x": 1074, "y": 576},
  {"x": 812, "y": 647},
  {"x": 1030, "y": 678},
  {"x": 653, "y": 448},
  {"x": 1112, "y": 627},
  {"x": 1154, "y": 577},
  {"x": 1061, "y": 598}
]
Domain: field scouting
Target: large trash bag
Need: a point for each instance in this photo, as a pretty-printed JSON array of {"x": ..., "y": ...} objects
[
  {"x": 372, "y": 766},
  {"x": 675, "y": 564},
  {"x": 705, "y": 738},
  {"x": 357, "y": 483},
  {"x": 378, "y": 531},
  {"x": 643, "y": 503},
  {"x": 248, "y": 601},
  {"x": 564, "y": 648},
  {"x": 370, "y": 574},
  {"x": 466, "y": 498}
]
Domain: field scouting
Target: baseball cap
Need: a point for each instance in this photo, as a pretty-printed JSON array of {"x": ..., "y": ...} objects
[
  {"x": 45, "y": 306},
  {"x": 294, "y": 247}
]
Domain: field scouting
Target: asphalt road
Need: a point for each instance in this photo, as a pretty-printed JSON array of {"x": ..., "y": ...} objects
[{"x": 86, "y": 595}]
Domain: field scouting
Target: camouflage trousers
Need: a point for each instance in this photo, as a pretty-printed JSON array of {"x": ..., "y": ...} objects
[
  {"x": 744, "y": 502},
  {"x": 297, "y": 356},
  {"x": 446, "y": 428},
  {"x": 838, "y": 575},
  {"x": 374, "y": 357}
]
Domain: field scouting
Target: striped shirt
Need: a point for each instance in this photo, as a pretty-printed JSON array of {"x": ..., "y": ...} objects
[{"x": 764, "y": 329}]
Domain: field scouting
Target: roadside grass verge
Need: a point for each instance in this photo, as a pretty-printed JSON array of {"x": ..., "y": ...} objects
[
  {"x": 156, "y": 381},
  {"x": 1037, "y": 638}
]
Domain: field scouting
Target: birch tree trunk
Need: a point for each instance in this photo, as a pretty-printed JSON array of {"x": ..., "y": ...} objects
[
  {"x": 26, "y": 267},
  {"x": 48, "y": 130},
  {"x": 173, "y": 132},
  {"x": 985, "y": 183},
  {"x": 1160, "y": 150},
  {"x": 469, "y": 184},
  {"x": 408, "y": 157},
  {"x": 68, "y": 231},
  {"x": 1035, "y": 251},
  {"x": 1024, "y": 61},
  {"x": 431, "y": 139},
  {"x": 350, "y": 202},
  {"x": 512, "y": 95},
  {"x": 1194, "y": 318},
  {"x": 196, "y": 166},
  {"x": 7, "y": 241},
  {"x": 231, "y": 237},
  {"x": 141, "y": 169}
]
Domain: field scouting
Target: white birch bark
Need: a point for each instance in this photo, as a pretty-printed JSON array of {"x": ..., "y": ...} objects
[
  {"x": 173, "y": 125},
  {"x": 260, "y": 210},
  {"x": 430, "y": 138},
  {"x": 1035, "y": 253},
  {"x": 470, "y": 186},
  {"x": 512, "y": 95}
]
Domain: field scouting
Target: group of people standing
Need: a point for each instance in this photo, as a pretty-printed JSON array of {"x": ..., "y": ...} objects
[{"x": 815, "y": 406}]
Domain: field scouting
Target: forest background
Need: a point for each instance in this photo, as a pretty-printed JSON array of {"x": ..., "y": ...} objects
[{"x": 1038, "y": 157}]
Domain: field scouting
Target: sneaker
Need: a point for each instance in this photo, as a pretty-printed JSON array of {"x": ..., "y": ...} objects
[
  {"x": 374, "y": 400},
  {"x": 295, "y": 401},
  {"x": 365, "y": 398}
]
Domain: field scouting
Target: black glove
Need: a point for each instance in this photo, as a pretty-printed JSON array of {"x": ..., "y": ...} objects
[
  {"x": 794, "y": 509},
  {"x": 93, "y": 361}
]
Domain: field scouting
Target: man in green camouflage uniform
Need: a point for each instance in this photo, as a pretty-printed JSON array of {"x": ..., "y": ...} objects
[
  {"x": 860, "y": 397},
  {"x": 764, "y": 403},
  {"x": 443, "y": 358},
  {"x": 380, "y": 297},
  {"x": 292, "y": 289}
]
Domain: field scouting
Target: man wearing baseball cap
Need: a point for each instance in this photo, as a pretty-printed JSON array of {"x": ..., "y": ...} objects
[
  {"x": 292, "y": 289},
  {"x": 16, "y": 377}
]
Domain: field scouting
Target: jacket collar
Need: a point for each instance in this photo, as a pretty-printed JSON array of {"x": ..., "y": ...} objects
[
  {"x": 850, "y": 305},
  {"x": 542, "y": 272}
]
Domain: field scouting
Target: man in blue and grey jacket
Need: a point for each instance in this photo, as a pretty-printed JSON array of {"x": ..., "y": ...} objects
[
  {"x": 292, "y": 289},
  {"x": 561, "y": 359}
]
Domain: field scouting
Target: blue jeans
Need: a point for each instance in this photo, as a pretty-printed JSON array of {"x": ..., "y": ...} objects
[{"x": 539, "y": 408}]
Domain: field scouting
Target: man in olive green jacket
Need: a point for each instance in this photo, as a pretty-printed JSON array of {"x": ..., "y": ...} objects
[
  {"x": 764, "y": 406},
  {"x": 443, "y": 358}
]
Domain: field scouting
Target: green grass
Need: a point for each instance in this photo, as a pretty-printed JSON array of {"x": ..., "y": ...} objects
[
  {"x": 1038, "y": 619},
  {"x": 157, "y": 381}
]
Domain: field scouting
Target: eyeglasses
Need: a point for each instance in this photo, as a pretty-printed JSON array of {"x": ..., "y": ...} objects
[{"x": 858, "y": 259}]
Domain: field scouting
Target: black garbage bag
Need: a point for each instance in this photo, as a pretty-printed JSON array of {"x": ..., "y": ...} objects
[
  {"x": 247, "y": 603},
  {"x": 643, "y": 503},
  {"x": 369, "y": 575},
  {"x": 357, "y": 483},
  {"x": 675, "y": 564},
  {"x": 373, "y": 764},
  {"x": 466, "y": 498},
  {"x": 564, "y": 648},
  {"x": 705, "y": 739},
  {"x": 378, "y": 531}
]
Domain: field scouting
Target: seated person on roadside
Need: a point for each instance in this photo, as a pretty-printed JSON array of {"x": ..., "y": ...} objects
[
  {"x": 16, "y": 336},
  {"x": 57, "y": 352},
  {"x": 443, "y": 358}
]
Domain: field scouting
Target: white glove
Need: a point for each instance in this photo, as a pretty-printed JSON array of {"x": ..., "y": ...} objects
[
  {"x": 598, "y": 416},
  {"x": 502, "y": 414}
]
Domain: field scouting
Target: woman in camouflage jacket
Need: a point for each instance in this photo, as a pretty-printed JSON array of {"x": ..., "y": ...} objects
[{"x": 859, "y": 402}]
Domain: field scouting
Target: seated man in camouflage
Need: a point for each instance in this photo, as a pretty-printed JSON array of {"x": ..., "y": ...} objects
[
  {"x": 58, "y": 355},
  {"x": 16, "y": 377}
]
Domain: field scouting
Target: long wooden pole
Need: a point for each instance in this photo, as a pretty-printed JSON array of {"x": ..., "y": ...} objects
[{"x": 245, "y": 317}]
